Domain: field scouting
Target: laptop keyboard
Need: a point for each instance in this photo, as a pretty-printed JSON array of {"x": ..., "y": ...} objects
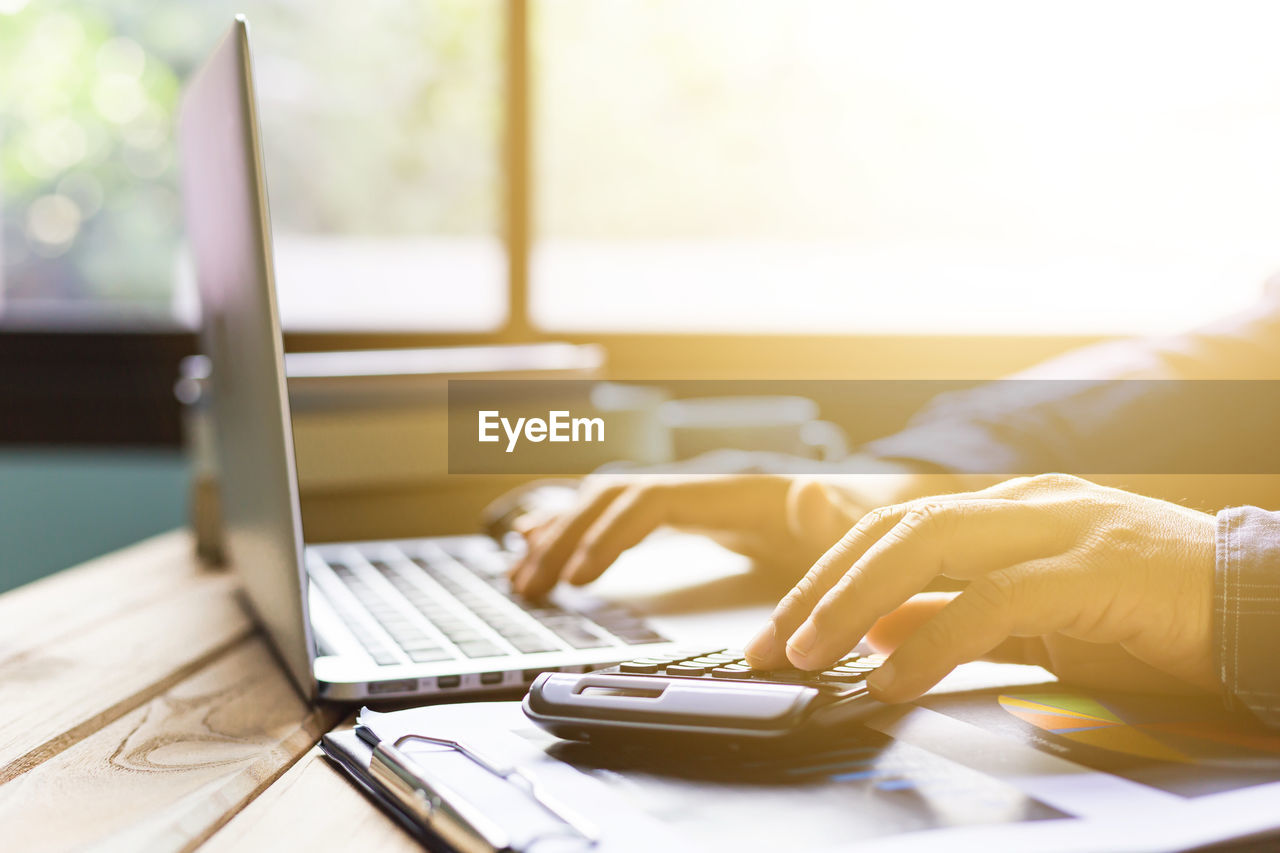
[{"x": 468, "y": 607}]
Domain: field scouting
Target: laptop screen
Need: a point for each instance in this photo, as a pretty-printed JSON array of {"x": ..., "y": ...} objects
[{"x": 229, "y": 230}]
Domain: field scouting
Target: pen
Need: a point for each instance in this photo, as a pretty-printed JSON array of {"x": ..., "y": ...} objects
[{"x": 435, "y": 804}]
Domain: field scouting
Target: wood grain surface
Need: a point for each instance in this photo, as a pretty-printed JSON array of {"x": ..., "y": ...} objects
[
  {"x": 140, "y": 710},
  {"x": 276, "y": 820},
  {"x": 81, "y": 648}
]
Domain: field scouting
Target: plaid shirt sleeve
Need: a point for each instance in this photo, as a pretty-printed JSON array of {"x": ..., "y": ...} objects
[{"x": 1247, "y": 609}]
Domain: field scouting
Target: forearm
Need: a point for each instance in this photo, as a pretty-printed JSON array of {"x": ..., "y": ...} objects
[{"x": 1124, "y": 407}]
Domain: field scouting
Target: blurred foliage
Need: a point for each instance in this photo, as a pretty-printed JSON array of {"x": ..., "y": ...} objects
[{"x": 379, "y": 118}]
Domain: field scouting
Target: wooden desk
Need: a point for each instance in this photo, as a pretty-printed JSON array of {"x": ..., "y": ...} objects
[{"x": 140, "y": 709}]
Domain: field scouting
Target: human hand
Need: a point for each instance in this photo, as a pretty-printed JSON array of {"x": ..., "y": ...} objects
[
  {"x": 779, "y": 521},
  {"x": 1098, "y": 585},
  {"x": 772, "y": 519}
]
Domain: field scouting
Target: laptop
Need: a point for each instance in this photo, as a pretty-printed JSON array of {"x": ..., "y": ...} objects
[{"x": 352, "y": 621}]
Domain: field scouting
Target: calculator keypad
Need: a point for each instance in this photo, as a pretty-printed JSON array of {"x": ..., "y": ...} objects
[{"x": 728, "y": 664}]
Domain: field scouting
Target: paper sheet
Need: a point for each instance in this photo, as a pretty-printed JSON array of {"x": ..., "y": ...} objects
[{"x": 1029, "y": 765}]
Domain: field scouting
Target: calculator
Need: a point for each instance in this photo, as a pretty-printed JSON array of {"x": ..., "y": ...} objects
[{"x": 707, "y": 699}]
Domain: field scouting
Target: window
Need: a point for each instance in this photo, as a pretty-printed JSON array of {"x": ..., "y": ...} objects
[
  {"x": 383, "y": 174},
  {"x": 696, "y": 166},
  {"x": 918, "y": 166}
]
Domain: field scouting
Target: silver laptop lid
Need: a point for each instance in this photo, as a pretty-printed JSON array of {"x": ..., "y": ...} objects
[{"x": 229, "y": 231}]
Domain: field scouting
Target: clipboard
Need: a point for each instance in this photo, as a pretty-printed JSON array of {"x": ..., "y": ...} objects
[
  {"x": 608, "y": 801},
  {"x": 445, "y": 810},
  {"x": 917, "y": 780},
  {"x": 442, "y": 804},
  {"x": 479, "y": 789}
]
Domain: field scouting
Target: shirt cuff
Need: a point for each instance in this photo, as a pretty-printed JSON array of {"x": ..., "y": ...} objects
[{"x": 1247, "y": 609}]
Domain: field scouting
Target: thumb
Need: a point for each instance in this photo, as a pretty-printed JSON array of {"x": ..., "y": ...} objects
[
  {"x": 818, "y": 513},
  {"x": 892, "y": 629}
]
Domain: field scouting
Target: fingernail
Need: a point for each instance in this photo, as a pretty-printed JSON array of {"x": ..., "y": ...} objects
[
  {"x": 881, "y": 680},
  {"x": 802, "y": 642},
  {"x": 764, "y": 644}
]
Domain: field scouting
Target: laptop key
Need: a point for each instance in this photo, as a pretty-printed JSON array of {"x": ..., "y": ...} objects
[
  {"x": 639, "y": 636},
  {"x": 530, "y": 644},
  {"x": 580, "y": 639},
  {"x": 466, "y": 597},
  {"x": 419, "y": 644},
  {"x": 428, "y": 655},
  {"x": 479, "y": 649}
]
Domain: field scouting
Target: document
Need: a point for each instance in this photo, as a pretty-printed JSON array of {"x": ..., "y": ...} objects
[{"x": 1030, "y": 764}]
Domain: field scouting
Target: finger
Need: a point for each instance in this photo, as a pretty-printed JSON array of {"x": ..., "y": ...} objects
[
  {"x": 962, "y": 539},
  {"x": 533, "y": 530},
  {"x": 766, "y": 649},
  {"x": 623, "y": 524},
  {"x": 892, "y": 629},
  {"x": 530, "y": 522},
  {"x": 540, "y": 567},
  {"x": 638, "y": 512},
  {"x": 536, "y": 540},
  {"x": 1020, "y": 600},
  {"x": 1028, "y": 651},
  {"x": 819, "y": 513}
]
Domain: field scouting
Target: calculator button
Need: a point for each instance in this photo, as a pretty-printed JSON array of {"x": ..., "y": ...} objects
[
  {"x": 842, "y": 677},
  {"x": 639, "y": 667},
  {"x": 731, "y": 672},
  {"x": 723, "y": 657},
  {"x": 686, "y": 669},
  {"x": 791, "y": 675}
]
